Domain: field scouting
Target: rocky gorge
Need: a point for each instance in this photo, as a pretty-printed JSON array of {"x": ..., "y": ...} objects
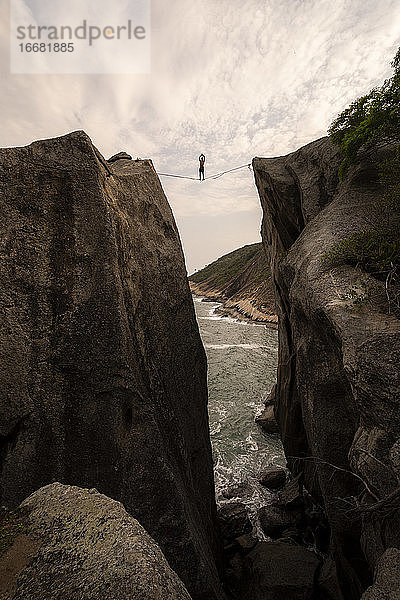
[{"x": 106, "y": 472}]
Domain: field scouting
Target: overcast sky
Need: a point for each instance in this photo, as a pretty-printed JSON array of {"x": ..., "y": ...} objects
[{"x": 231, "y": 78}]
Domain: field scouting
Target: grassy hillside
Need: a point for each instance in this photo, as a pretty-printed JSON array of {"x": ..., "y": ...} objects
[
  {"x": 223, "y": 270},
  {"x": 241, "y": 281}
]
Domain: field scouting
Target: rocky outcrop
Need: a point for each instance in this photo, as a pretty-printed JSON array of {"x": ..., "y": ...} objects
[
  {"x": 387, "y": 577},
  {"x": 241, "y": 281},
  {"x": 234, "y": 521},
  {"x": 337, "y": 394},
  {"x": 102, "y": 370},
  {"x": 266, "y": 419},
  {"x": 280, "y": 571},
  {"x": 273, "y": 478},
  {"x": 76, "y": 543},
  {"x": 119, "y": 156}
]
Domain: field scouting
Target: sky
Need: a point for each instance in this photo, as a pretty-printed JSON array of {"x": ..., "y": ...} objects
[{"x": 233, "y": 79}]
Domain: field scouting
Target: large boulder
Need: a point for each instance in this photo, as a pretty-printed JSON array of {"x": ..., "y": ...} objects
[
  {"x": 279, "y": 571},
  {"x": 102, "y": 370},
  {"x": 119, "y": 156},
  {"x": 76, "y": 543},
  {"x": 337, "y": 400}
]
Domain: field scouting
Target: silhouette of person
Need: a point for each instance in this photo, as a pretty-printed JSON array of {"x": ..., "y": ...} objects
[{"x": 202, "y": 160}]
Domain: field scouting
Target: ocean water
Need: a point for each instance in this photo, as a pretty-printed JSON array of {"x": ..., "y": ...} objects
[{"x": 242, "y": 360}]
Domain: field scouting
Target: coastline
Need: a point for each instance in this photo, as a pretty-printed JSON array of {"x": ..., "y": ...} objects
[{"x": 242, "y": 309}]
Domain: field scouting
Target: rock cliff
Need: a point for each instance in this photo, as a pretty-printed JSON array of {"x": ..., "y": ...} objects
[
  {"x": 102, "y": 370},
  {"x": 337, "y": 395}
]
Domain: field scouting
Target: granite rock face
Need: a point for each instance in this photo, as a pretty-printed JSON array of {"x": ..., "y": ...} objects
[
  {"x": 337, "y": 395},
  {"x": 80, "y": 544},
  {"x": 387, "y": 577},
  {"x": 102, "y": 370}
]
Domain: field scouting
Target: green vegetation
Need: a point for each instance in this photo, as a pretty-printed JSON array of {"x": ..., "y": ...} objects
[
  {"x": 369, "y": 120},
  {"x": 12, "y": 524},
  {"x": 224, "y": 269},
  {"x": 372, "y": 120},
  {"x": 372, "y": 250}
]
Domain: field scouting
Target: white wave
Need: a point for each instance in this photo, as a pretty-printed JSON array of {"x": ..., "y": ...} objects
[
  {"x": 227, "y": 319},
  {"x": 214, "y": 316},
  {"x": 215, "y": 429},
  {"x": 211, "y": 318},
  {"x": 258, "y": 409},
  {"x": 251, "y": 443},
  {"x": 225, "y": 346},
  {"x": 221, "y": 411}
]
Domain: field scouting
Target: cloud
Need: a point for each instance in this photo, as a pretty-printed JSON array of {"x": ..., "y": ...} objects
[{"x": 231, "y": 79}]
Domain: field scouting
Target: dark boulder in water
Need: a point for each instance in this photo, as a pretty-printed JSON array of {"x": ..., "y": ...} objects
[
  {"x": 234, "y": 521},
  {"x": 240, "y": 490},
  {"x": 273, "y": 478},
  {"x": 267, "y": 420}
]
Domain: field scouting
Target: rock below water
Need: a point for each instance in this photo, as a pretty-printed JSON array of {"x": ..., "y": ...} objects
[
  {"x": 102, "y": 370},
  {"x": 294, "y": 515},
  {"x": 337, "y": 394},
  {"x": 289, "y": 567},
  {"x": 73, "y": 543},
  {"x": 282, "y": 569}
]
